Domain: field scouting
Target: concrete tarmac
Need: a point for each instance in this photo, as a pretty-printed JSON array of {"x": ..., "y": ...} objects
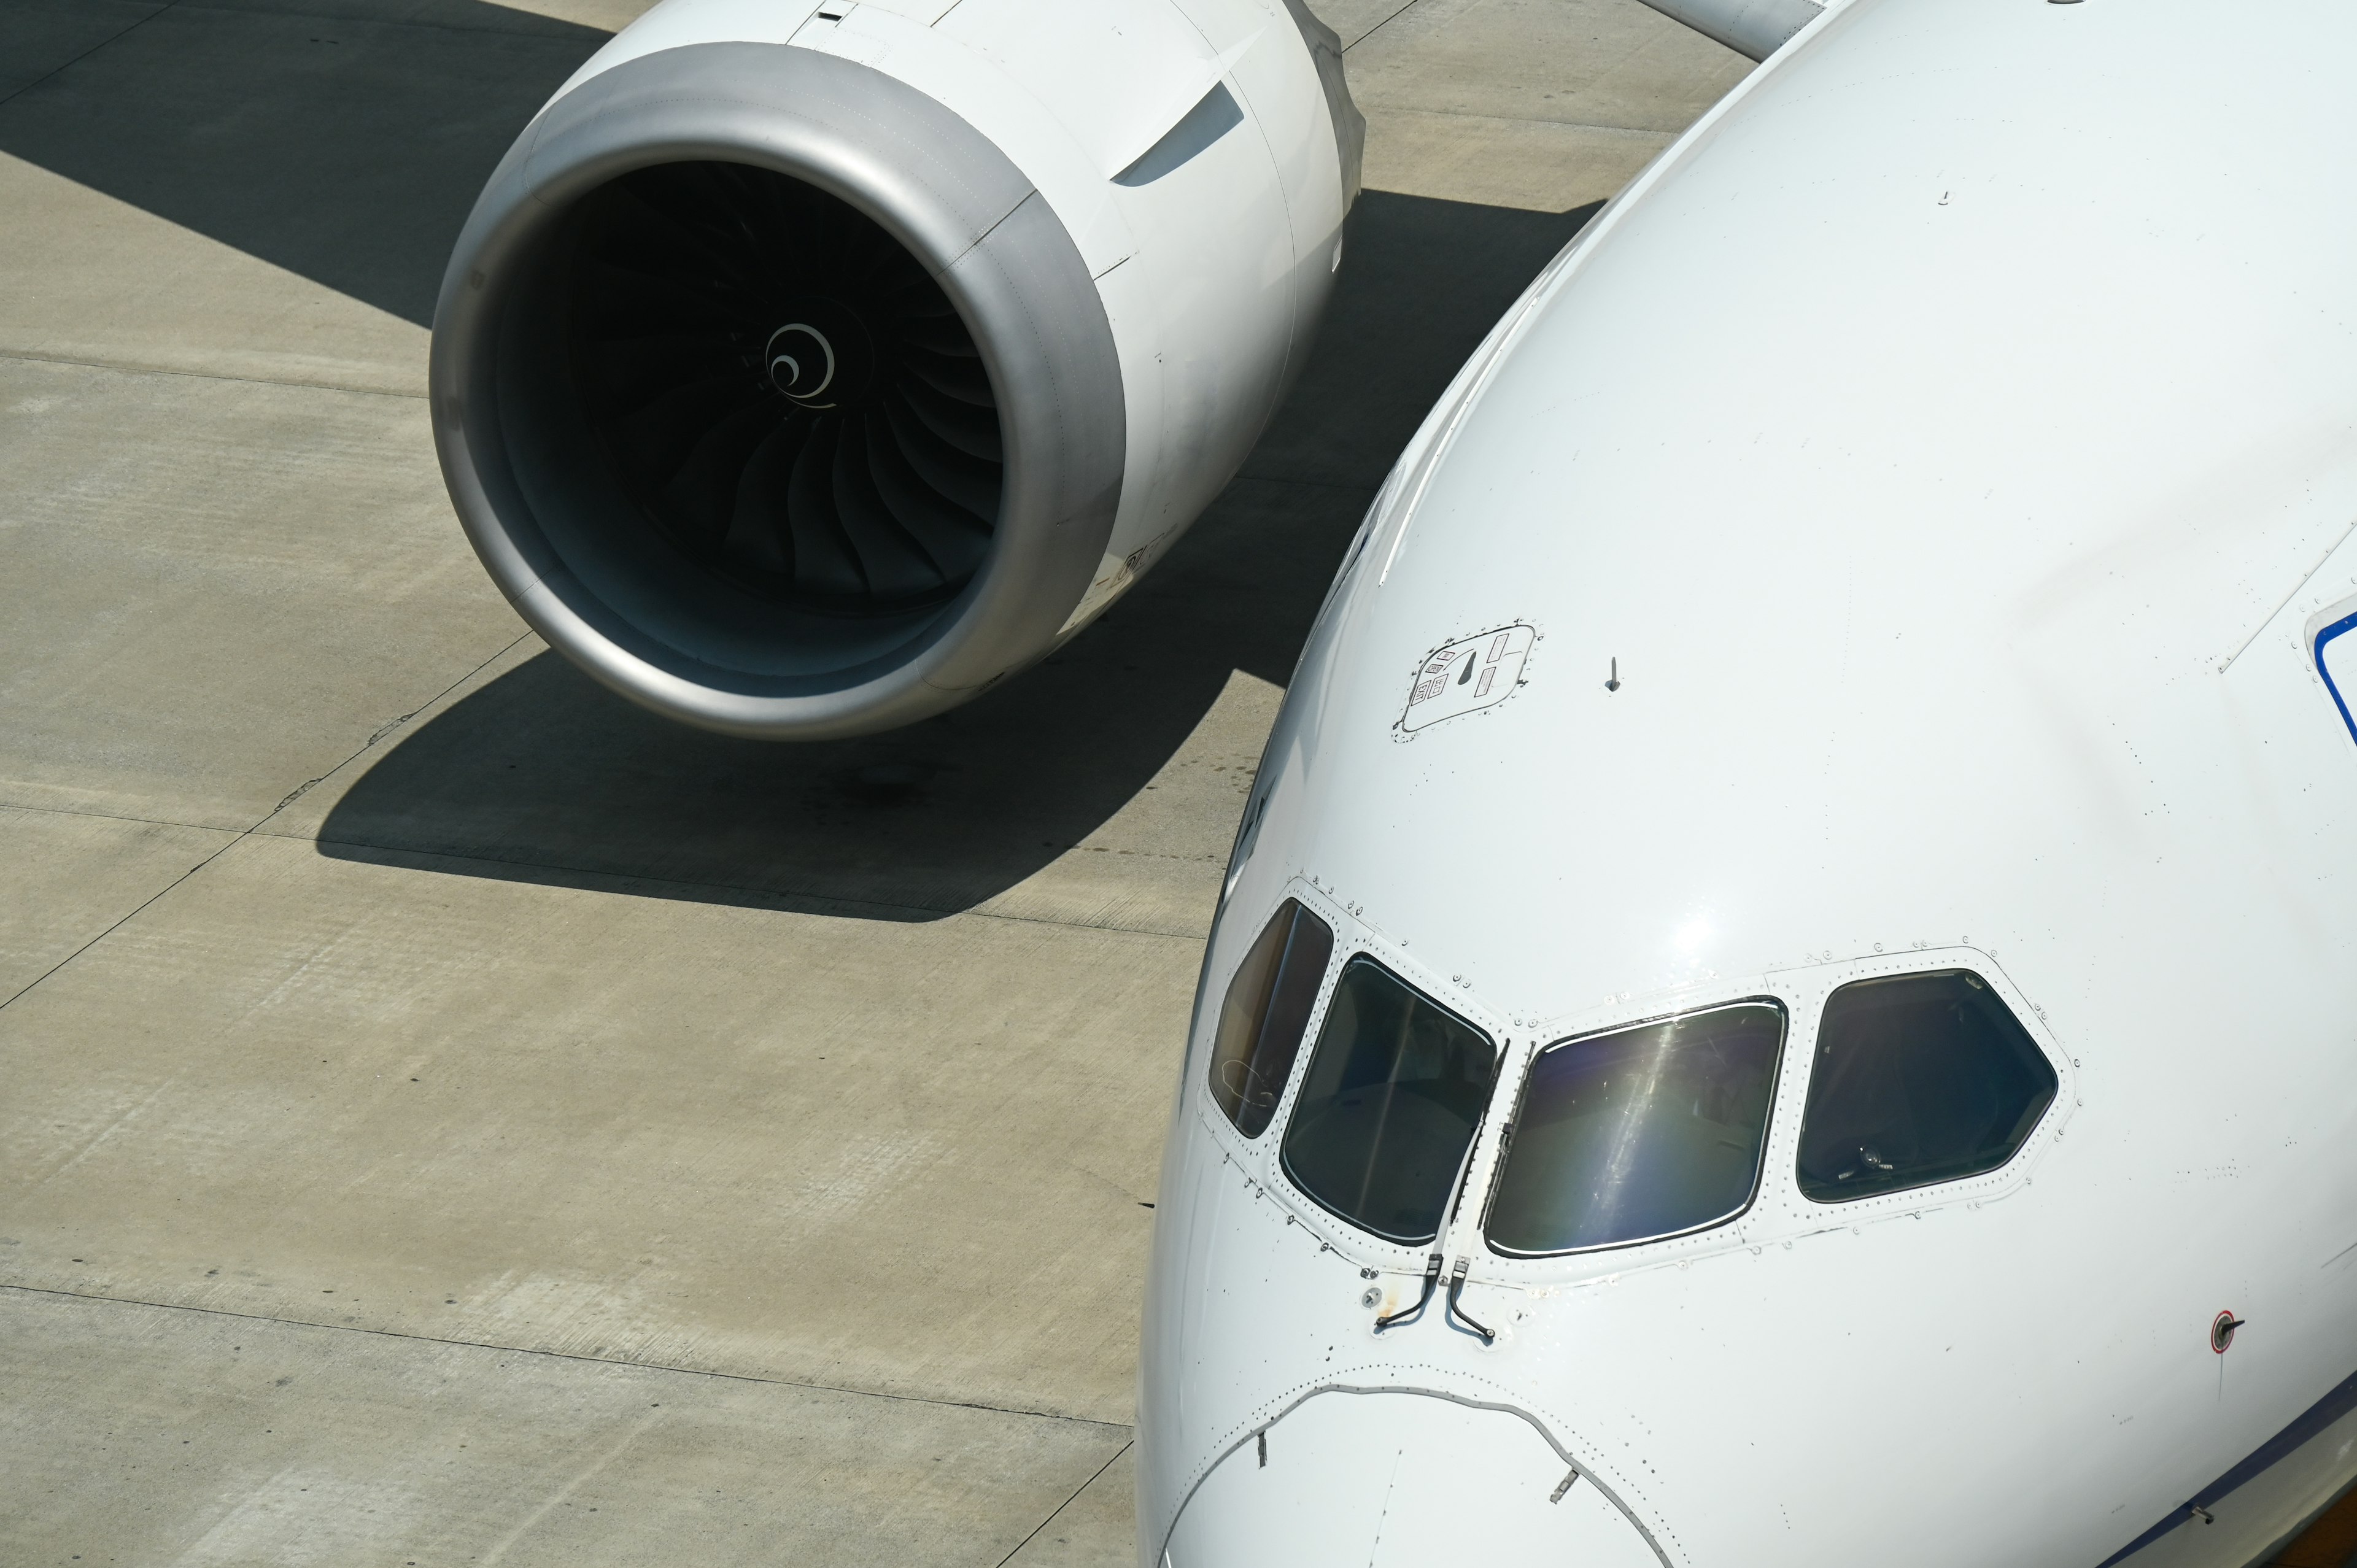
[{"x": 451, "y": 1116}]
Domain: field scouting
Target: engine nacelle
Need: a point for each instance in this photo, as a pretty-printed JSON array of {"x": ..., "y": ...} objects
[{"x": 805, "y": 368}]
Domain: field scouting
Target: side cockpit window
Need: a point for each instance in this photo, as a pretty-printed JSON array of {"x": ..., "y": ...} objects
[
  {"x": 1389, "y": 1104},
  {"x": 1639, "y": 1133},
  {"x": 1918, "y": 1078},
  {"x": 1266, "y": 1010}
]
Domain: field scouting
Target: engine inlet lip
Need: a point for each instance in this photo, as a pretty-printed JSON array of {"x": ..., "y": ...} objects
[{"x": 948, "y": 195}]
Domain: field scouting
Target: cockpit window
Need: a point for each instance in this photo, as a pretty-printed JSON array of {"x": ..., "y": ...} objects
[
  {"x": 1266, "y": 1010},
  {"x": 1639, "y": 1133},
  {"x": 1919, "y": 1079},
  {"x": 1393, "y": 1092}
]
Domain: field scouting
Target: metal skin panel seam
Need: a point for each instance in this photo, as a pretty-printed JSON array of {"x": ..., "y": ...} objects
[{"x": 1283, "y": 1404}]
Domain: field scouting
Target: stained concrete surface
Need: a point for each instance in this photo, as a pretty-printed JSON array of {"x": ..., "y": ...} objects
[
  {"x": 239, "y": 581},
  {"x": 451, "y": 1116},
  {"x": 311, "y": 1445},
  {"x": 1549, "y": 105}
]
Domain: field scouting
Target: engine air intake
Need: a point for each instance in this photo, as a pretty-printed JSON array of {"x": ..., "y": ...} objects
[
  {"x": 779, "y": 384},
  {"x": 775, "y": 396}
]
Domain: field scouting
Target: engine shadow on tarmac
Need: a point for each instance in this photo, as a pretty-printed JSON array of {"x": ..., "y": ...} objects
[
  {"x": 346, "y": 141},
  {"x": 343, "y": 140},
  {"x": 541, "y": 768}
]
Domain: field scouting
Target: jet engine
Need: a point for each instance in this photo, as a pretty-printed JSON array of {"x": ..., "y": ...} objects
[{"x": 806, "y": 368}]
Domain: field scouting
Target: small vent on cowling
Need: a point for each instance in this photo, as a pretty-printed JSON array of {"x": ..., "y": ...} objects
[{"x": 781, "y": 388}]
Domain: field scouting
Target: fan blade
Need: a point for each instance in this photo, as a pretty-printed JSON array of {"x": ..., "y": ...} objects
[
  {"x": 890, "y": 559},
  {"x": 955, "y": 538},
  {"x": 973, "y": 431},
  {"x": 701, "y": 499},
  {"x": 755, "y": 541},
  {"x": 824, "y": 562},
  {"x": 965, "y": 380},
  {"x": 973, "y": 483},
  {"x": 656, "y": 438},
  {"x": 680, "y": 276}
]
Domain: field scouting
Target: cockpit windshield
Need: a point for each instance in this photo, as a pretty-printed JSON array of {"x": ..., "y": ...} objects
[
  {"x": 1919, "y": 1079},
  {"x": 1267, "y": 1011},
  {"x": 1639, "y": 1133},
  {"x": 1395, "y": 1090}
]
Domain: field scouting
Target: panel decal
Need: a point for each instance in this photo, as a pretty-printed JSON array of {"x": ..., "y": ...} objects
[{"x": 1466, "y": 676}]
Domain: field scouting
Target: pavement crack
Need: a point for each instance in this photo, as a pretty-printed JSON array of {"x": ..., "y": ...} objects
[
  {"x": 381, "y": 731},
  {"x": 299, "y": 791}
]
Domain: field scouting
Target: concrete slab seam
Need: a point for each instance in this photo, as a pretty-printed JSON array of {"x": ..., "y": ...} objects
[
  {"x": 118, "y": 816},
  {"x": 381, "y": 731},
  {"x": 110, "y": 38},
  {"x": 128, "y": 369},
  {"x": 576, "y": 1356},
  {"x": 1379, "y": 26},
  {"x": 118, "y": 925},
  {"x": 300, "y": 792},
  {"x": 1633, "y": 133},
  {"x": 1067, "y": 1502},
  {"x": 409, "y": 23},
  {"x": 626, "y": 882}
]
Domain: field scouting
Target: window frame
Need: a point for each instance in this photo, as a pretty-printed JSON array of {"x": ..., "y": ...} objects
[
  {"x": 1767, "y": 1129},
  {"x": 1349, "y": 937},
  {"x": 2002, "y": 1176},
  {"x": 1289, "y": 1105},
  {"x": 1260, "y": 1159},
  {"x": 1313, "y": 1012},
  {"x": 1778, "y": 1214}
]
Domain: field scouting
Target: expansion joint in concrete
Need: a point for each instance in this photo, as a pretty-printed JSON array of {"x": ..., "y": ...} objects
[
  {"x": 1630, "y": 132},
  {"x": 125, "y": 368},
  {"x": 309, "y": 1324},
  {"x": 412, "y": 24},
  {"x": 254, "y": 827},
  {"x": 1379, "y": 26},
  {"x": 1067, "y": 1502},
  {"x": 110, "y": 38}
]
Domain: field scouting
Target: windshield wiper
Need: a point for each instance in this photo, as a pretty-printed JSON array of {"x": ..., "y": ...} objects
[
  {"x": 1408, "y": 1314},
  {"x": 1456, "y": 1314}
]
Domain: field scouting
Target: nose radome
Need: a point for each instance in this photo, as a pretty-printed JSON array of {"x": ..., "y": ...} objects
[{"x": 1385, "y": 1480}]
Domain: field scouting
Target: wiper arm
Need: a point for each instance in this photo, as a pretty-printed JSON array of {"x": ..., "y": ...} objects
[
  {"x": 1408, "y": 1315},
  {"x": 1456, "y": 1313}
]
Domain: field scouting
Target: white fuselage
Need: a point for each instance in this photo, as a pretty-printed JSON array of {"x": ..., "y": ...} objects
[{"x": 1949, "y": 449}]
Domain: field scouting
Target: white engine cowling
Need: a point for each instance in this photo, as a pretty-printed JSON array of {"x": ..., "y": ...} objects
[{"x": 806, "y": 368}]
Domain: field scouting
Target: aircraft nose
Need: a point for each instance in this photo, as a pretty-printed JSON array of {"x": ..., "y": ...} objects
[{"x": 1353, "y": 1479}]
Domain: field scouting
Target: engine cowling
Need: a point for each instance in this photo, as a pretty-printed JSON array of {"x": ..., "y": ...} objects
[{"x": 805, "y": 370}]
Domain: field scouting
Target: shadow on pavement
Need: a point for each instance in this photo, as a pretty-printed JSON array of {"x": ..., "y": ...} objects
[
  {"x": 543, "y": 769},
  {"x": 343, "y": 140},
  {"x": 346, "y": 142}
]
